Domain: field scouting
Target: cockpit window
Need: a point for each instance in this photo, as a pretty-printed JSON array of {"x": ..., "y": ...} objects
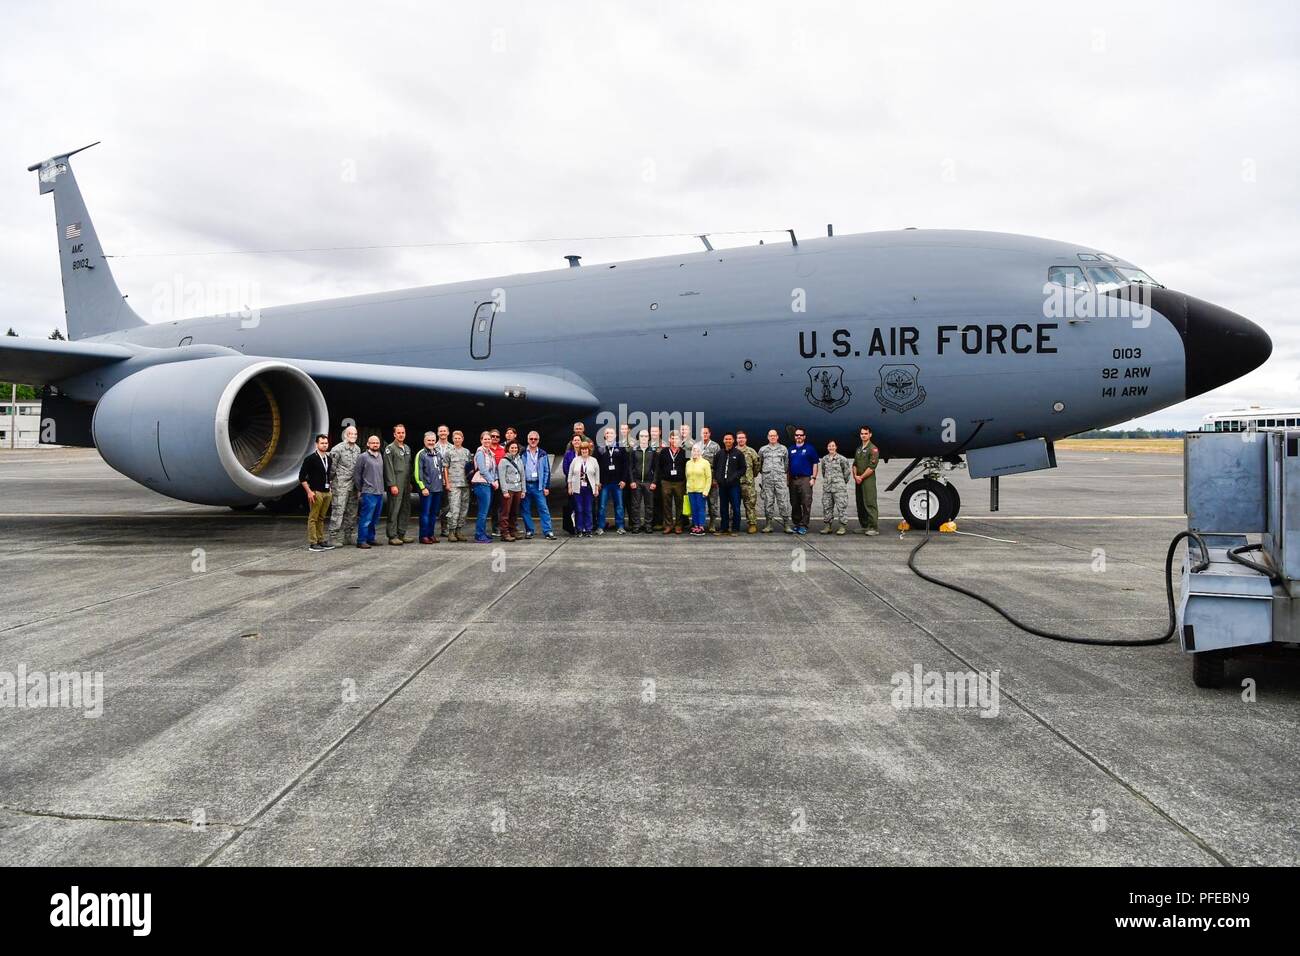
[
  {"x": 1070, "y": 277},
  {"x": 1108, "y": 258},
  {"x": 1136, "y": 275},
  {"x": 1106, "y": 278}
]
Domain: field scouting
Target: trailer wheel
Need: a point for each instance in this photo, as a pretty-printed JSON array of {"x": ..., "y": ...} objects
[{"x": 1209, "y": 669}]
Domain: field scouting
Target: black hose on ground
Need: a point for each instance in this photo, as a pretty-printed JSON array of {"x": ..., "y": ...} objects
[{"x": 1068, "y": 638}]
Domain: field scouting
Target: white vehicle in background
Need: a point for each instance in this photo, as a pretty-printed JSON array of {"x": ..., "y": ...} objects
[{"x": 1251, "y": 418}]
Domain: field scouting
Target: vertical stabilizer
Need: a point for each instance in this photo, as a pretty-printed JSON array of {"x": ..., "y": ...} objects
[{"x": 92, "y": 302}]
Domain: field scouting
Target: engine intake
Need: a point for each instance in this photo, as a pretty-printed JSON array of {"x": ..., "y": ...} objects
[{"x": 224, "y": 430}]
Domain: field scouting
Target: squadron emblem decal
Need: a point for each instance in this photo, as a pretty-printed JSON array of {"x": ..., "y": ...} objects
[
  {"x": 899, "y": 388},
  {"x": 826, "y": 388}
]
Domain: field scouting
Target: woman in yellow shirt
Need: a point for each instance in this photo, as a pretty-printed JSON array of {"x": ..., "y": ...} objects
[{"x": 699, "y": 479}]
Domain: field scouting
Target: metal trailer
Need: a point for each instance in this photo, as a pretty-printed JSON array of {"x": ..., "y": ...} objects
[{"x": 1242, "y": 594}]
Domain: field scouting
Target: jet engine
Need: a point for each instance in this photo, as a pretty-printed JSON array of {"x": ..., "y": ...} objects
[{"x": 224, "y": 430}]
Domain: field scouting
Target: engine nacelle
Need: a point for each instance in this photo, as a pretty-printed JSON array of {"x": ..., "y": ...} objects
[{"x": 226, "y": 430}]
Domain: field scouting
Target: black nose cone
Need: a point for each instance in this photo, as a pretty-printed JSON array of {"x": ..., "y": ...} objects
[{"x": 1219, "y": 345}]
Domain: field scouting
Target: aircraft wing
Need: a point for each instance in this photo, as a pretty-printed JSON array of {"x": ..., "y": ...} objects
[
  {"x": 39, "y": 362},
  {"x": 395, "y": 392}
]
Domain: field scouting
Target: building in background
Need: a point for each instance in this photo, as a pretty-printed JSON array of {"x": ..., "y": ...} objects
[{"x": 20, "y": 423}]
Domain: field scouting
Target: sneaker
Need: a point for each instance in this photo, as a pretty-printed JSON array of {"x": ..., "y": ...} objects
[
  {"x": 872, "y": 532},
  {"x": 550, "y": 537},
  {"x": 600, "y": 530},
  {"x": 314, "y": 547},
  {"x": 528, "y": 536},
  {"x": 801, "y": 530},
  {"x": 677, "y": 530},
  {"x": 326, "y": 546},
  {"x": 483, "y": 539},
  {"x": 619, "y": 531}
]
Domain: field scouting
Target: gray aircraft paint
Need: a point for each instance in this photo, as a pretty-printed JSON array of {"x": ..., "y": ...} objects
[
  {"x": 676, "y": 332},
  {"x": 719, "y": 333}
]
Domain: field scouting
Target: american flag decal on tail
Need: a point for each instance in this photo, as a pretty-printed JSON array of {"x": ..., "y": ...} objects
[{"x": 73, "y": 231}]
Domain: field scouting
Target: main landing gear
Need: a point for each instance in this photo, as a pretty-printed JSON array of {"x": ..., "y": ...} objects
[{"x": 930, "y": 501}]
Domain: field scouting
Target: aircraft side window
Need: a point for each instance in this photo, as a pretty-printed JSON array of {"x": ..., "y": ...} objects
[
  {"x": 1136, "y": 275},
  {"x": 1069, "y": 277}
]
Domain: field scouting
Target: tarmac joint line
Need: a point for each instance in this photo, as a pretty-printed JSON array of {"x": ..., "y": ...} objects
[{"x": 1034, "y": 715}]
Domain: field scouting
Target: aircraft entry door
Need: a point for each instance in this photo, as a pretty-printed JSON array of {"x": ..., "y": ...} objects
[{"x": 480, "y": 336}]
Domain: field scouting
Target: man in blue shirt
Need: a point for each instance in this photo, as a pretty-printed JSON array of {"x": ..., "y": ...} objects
[{"x": 803, "y": 476}]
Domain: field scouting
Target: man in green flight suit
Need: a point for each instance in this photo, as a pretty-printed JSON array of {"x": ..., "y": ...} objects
[{"x": 864, "y": 473}]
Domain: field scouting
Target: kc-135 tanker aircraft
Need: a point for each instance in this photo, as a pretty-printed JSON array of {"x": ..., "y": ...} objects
[{"x": 959, "y": 348}]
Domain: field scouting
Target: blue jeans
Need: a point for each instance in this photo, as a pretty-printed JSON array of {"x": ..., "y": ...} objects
[
  {"x": 582, "y": 510},
  {"x": 699, "y": 509},
  {"x": 429, "y": 505},
  {"x": 607, "y": 492},
  {"x": 370, "y": 505},
  {"x": 533, "y": 496},
  {"x": 483, "y": 495},
  {"x": 729, "y": 496}
]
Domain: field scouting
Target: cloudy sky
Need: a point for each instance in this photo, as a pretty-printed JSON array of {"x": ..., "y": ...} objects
[{"x": 1164, "y": 132}]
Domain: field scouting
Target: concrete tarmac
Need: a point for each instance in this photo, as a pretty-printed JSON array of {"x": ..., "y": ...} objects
[{"x": 622, "y": 699}]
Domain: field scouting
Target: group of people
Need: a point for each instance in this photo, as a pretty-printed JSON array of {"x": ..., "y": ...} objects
[{"x": 673, "y": 485}]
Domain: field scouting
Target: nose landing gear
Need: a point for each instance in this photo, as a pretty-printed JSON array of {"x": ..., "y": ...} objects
[{"x": 930, "y": 501}]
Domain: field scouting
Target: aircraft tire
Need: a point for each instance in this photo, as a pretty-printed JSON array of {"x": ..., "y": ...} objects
[
  {"x": 954, "y": 501},
  {"x": 926, "y": 493}
]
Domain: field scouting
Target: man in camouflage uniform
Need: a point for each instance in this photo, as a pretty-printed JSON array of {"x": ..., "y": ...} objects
[
  {"x": 774, "y": 480},
  {"x": 837, "y": 486},
  {"x": 864, "y": 473},
  {"x": 747, "y": 490},
  {"x": 443, "y": 446},
  {"x": 709, "y": 450},
  {"x": 343, "y": 510},
  {"x": 458, "y": 457}
]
